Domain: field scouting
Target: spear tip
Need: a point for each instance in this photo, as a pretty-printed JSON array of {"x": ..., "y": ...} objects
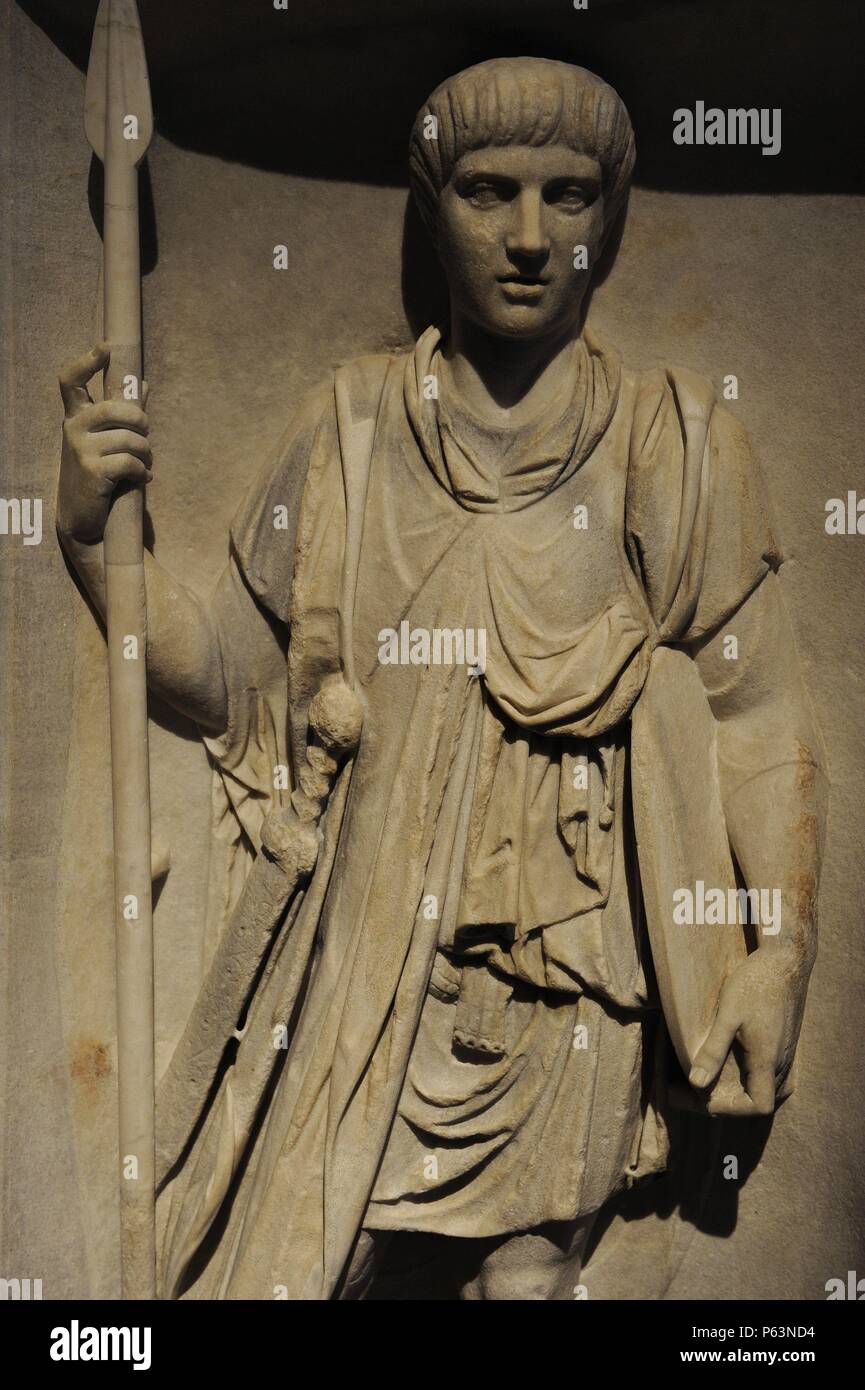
[{"x": 117, "y": 107}]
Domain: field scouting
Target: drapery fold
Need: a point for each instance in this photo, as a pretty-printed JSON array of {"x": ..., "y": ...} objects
[{"x": 484, "y": 818}]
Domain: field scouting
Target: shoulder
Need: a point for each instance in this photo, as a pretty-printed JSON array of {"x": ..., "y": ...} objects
[
  {"x": 666, "y": 399},
  {"x": 265, "y": 528},
  {"x": 679, "y": 427},
  {"x": 364, "y": 378},
  {"x": 697, "y": 518}
]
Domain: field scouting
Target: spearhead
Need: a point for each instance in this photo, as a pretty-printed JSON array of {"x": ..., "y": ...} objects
[{"x": 118, "y": 116}]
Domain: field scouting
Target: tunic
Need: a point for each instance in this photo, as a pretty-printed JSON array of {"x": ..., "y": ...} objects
[{"x": 473, "y": 1024}]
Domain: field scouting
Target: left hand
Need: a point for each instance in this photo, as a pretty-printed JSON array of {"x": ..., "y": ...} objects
[{"x": 761, "y": 1007}]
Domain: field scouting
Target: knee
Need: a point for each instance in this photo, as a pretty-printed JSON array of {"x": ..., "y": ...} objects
[
  {"x": 527, "y": 1268},
  {"x": 536, "y": 1283},
  {"x": 524, "y": 1276}
]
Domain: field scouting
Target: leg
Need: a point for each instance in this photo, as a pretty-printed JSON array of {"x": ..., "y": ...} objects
[{"x": 543, "y": 1264}]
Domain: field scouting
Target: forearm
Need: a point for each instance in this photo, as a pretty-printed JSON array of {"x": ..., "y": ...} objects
[
  {"x": 770, "y": 760},
  {"x": 775, "y": 821},
  {"x": 184, "y": 665}
]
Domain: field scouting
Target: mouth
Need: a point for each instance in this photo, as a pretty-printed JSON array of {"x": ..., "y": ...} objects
[
  {"x": 532, "y": 281},
  {"x": 523, "y": 290}
]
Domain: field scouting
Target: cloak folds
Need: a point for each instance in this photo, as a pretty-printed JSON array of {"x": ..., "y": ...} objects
[{"x": 475, "y": 880}]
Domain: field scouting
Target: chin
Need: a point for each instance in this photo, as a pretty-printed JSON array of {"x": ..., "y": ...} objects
[{"x": 524, "y": 321}]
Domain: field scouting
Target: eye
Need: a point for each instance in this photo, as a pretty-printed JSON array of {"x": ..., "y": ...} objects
[
  {"x": 570, "y": 197},
  {"x": 487, "y": 193}
]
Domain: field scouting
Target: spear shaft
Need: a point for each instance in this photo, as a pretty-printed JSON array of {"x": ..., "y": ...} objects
[{"x": 118, "y": 121}]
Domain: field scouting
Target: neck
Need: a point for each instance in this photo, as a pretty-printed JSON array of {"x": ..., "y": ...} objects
[{"x": 495, "y": 374}]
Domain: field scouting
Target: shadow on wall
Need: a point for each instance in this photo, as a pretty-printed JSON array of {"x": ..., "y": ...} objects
[{"x": 253, "y": 86}]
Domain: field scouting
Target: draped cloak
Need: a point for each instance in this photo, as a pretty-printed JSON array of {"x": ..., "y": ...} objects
[{"x": 463, "y": 985}]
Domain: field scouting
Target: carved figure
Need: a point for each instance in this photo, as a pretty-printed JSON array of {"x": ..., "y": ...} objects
[{"x": 481, "y": 607}]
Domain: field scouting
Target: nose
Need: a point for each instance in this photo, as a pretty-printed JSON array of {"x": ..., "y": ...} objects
[{"x": 527, "y": 238}]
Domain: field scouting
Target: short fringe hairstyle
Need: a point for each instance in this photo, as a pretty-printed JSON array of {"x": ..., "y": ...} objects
[{"x": 521, "y": 101}]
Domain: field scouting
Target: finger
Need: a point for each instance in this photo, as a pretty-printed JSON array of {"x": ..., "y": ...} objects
[
  {"x": 730, "y": 1103},
  {"x": 724, "y": 1099},
  {"x": 760, "y": 1084},
  {"x": 128, "y": 468},
  {"x": 76, "y": 374},
  {"x": 110, "y": 415},
  {"x": 124, "y": 442},
  {"x": 713, "y": 1054}
]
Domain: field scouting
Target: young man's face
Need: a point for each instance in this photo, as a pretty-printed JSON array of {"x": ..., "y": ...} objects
[{"x": 510, "y": 218}]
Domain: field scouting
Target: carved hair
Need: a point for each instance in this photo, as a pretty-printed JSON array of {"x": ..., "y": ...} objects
[{"x": 520, "y": 101}]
